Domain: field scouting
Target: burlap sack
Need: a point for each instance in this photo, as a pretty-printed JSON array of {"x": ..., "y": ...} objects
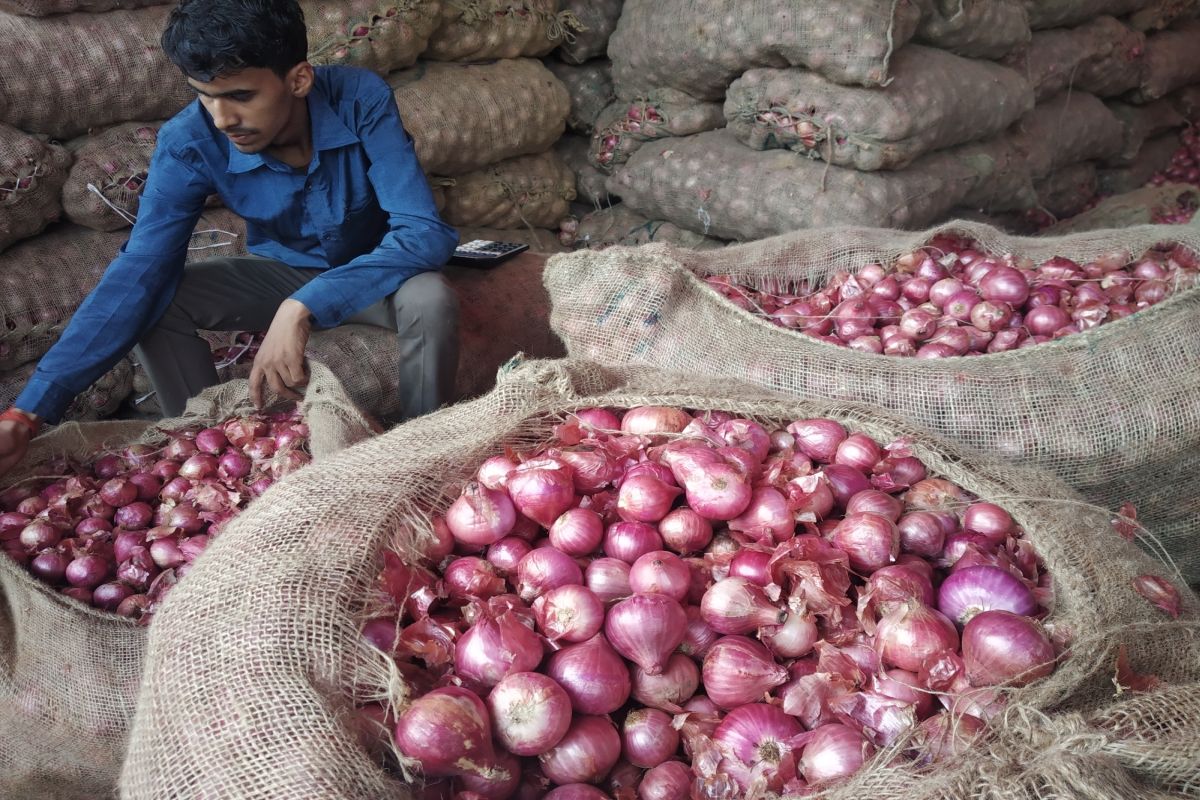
[
  {"x": 1068, "y": 190},
  {"x": 700, "y": 46},
  {"x": 625, "y": 125},
  {"x": 716, "y": 186},
  {"x": 1142, "y": 123},
  {"x": 589, "y": 180},
  {"x": 539, "y": 241},
  {"x": 1066, "y": 13},
  {"x": 476, "y": 30},
  {"x": 463, "y": 117},
  {"x": 32, "y": 173},
  {"x": 44, "y": 8},
  {"x": 1142, "y": 206},
  {"x": 621, "y": 225},
  {"x": 43, "y": 280},
  {"x": 1118, "y": 68},
  {"x": 98, "y": 401},
  {"x": 1187, "y": 102},
  {"x": 935, "y": 100},
  {"x": 104, "y": 188},
  {"x": 1071, "y": 127},
  {"x": 1009, "y": 182},
  {"x": 591, "y": 90},
  {"x": 68, "y": 683},
  {"x": 66, "y": 74},
  {"x": 975, "y": 28},
  {"x": 1154, "y": 156},
  {"x": 1113, "y": 411},
  {"x": 526, "y": 191},
  {"x": 1054, "y": 59},
  {"x": 379, "y": 35},
  {"x": 598, "y": 19},
  {"x": 1171, "y": 61},
  {"x": 289, "y": 673},
  {"x": 1160, "y": 14}
]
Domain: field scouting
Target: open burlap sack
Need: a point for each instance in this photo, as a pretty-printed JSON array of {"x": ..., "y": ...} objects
[
  {"x": 976, "y": 28},
  {"x": 598, "y": 19},
  {"x": 44, "y": 279},
  {"x": 32, "y": 174},
  {"x": 259, "y": 705},
  {"x": 65, "y": 74},
  {"x": 1068, "y": 190},
  {"x": 379, "y": 35},
  {"x": 626, "y": 124},
  {"x": 621, "y": 225},
  {"x": 1171, "y": 61},
  {"x": 1137, "y": 207},
  {"x": 700, "y": 46},
  {"x": 98, "y": 401},
  {"x": 1066, "y": 13},
  {"x": 589, "y": 179},
  {"x": 476, "y": 30},
  {"x": 1113, "y": 411},
  {"x": 539, "y": 241},
  {"x": 1154, "y": 156},
  {"x": 1071, "y": 127},
  {"x": 71, "y": 672},
  {"x": 590, "y": 87},
  {"x": 714, "y": 185},
  {"x": 465, "y": 116},
  {"x": 935, "y": 100},
  {"x": 526, "y": 191},
  {"x": 1055, "y": 59},
  {"x": 1142, "y": 123},
  {"x": 104, "y": 188}
]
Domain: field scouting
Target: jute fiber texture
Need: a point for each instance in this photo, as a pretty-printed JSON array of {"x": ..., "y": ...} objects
[
  {"x": 1071, "y": 127},
  {"x": 66, "y": 74},
  {"x": 1067, "y": 191},
  {"x": 935, "y": 100},
  {"x": 621, "y": 225},
  {"x": 476, "y": 30},
  {"x": 70, "y": 674},
  {"x": 1119, "y": 68},
  {"x": 104, "y": 188},
  {"x": 465, "y": 116},
  {"x": 977, "y": 28},
  {"x": 589, "y": 180},
  {"x": 1113, "y": 411},
  {"x": 526, "y": 191},
  {"x": 1056, "y": 59},
  {"x": 591, "y": 89},
  {"x": 379, "y": 35},
  {"x": 32, "y": 174},
  {"x": 44, "y": 8},
  {"x": 625, "y": 124},
  {"x": 1009, "y": 182},
  {"x": 257, "y": 705},
  {"x": 1171, "y": 61},
  {"x": 44, "y": 279},
  {"x": 1187, "y": 101},
  {"x": 1137, "y": 207},
  {"x": 598, "y": 19},
  {"x": 1142, "y": 123},
  {"x": 700, "y": 46},
  {"x": 1154, "y": 155},
  {"x": 1066, "y": 13},
  {"x": 98, "y": 401},
  {"x": 714, "y": 185}
]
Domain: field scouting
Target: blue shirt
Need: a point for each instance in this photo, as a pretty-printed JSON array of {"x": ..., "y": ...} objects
[{"x": 362, "y": 212}]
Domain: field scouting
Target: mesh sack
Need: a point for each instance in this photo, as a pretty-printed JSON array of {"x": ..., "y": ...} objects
[
  {"x": 1161, "y": 14},
  {"x": 463, "y": 117},
  {"x": 700, "y": 46},
  {"x": 66, "y": 74},
  {"x": 625, "y": 125},
  {"x": 935, "y": 100},
  {"x": 98, "y": 401},
  {"x": 1069, "y": 190},
  {"x": 1054, "y": 59},
  {"x": 1138, "y": 207},
  {"x": 1118, "y": 69},
  {"x": 44, "y": 8},
  {"x": 1171, "y": 62},
  {"x": 1112, "y": 410},
  {"x": 379, "y": 35},
  {"x": 289, "y": 673},
  {"x": 116, "y": 162},
  {"x": 1009, "y": 183},
  {"x": 1154, "y": 156},
  {"x": 43, "y": 280},
  {"x": 621, "y": 225},
  {"x": 975, "y": 28},
  {"x": 527, "y": 191},
  {"x": 591, "y": 90},
  {"x": 589, "y": 180},
  {"x": 476, "y": 30},
  {"x": 32, "y": 174},
  {"x": 68, "y": 683},
  {"x": 714, "y": 185},
  {"x": 1071, "y": 127},
  {"x": 539, "y": 241},
  {"x": 1066, "y": 13},
  {"x": 598, "y": 19},
  {"x": 1142, "y": 123},
  {"x": 1187, "y": 102}
]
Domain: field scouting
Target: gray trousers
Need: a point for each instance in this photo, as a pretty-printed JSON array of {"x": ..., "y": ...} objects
[{"x": 243, "y": 294}]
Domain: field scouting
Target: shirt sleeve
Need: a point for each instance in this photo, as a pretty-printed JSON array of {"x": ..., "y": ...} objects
[
  {"x": 132, "y": 294},
  {"x": 417, "y": 240}
]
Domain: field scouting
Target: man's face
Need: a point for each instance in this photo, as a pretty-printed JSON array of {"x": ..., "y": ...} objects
[{"x": 251, "y": 107}]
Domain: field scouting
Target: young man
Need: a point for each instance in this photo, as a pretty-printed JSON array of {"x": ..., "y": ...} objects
[{"x": 340, "y": 223}]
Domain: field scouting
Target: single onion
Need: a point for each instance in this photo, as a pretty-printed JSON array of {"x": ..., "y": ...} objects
[
  {"x": 592, "y": 674},
  {"x": 507, "y": 553},
  {"x": 699, "y": 636},
  {"x": 175, "y": 489},
  {"x": 835, "y": 751},
  {"x": 767, "y": 518},
  {"x": 493, "y": 648},
  {"x": 481, "y": 516},
  {"x": 648, "y": 738},
  {"x": 166, "y": 553},
  {"x": 577, "y": 532},
  {"x": 530, "y": 713},
  {"x": 911, "y": 633},
  {"x": 50, "y": 566},
  {"x": 543, "y": 569},
  {"x": 904, "y": 686},
  {"x": 645, "y": 628},
  {"x": 897, "y": 583},
  {"x": 668, "y": 690},
  {"x": 629, "y": 541},
  {"x": 471, "y": 577},
  {"x": 118, "y": 492},
  {"x": 645, "y": 498},
  {"x": 818, "y": 438},
  {"x": 448, "y": 732},
  {"x": 968, "y": 591},
  {"x": 201, "y": 465},
  {"x": 608, "y": 578},
  {"x": 945, "y": 737},
  {"x": 921, "y": 533},
  {"x": 1000, "y": 647},
  {"x": 542, "y": 489},
  {"x": 670, "y": 780},
  {"x": 934, "y": 494},
  {"x": 493, "y": 473},
  {"x": 585, "y": 754},
  {"x": 1004, "y": 285},
  {"x": 739, "y": 670},
  {"x": 873, "y": 501},
  {"x": 109, "y": 596},
  {"x": 661, "y": 572},
  {"x": 736, "y": 606},
  {"x": 794, "y": 638},
  {"x": 753, "y": 565},
  {"x": 569, "y": 613},
  {"x": 713, "y": 489},
  {"x": 759, "y": 736},
  {"x": 87, "y": 571},
  {"x": 845, "y": 482},
  {"x": 498, "y": 783},
  {"x": 39, "y": 535},
  {"x": 685, "y": 531},
  {"x": 648, "y": 420},
  {"x": 858, "y": 451},
  {"x": 989, "y": 520},
  {"x": 871, "y": 541}
]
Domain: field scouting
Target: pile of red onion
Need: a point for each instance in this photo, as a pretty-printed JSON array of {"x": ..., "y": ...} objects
[
  {"x": 949, "y": 298},
  {"x": 660, "y": 602},
  {"x": 119, "y": 531},
  {"x": 1185, "y": 163}
]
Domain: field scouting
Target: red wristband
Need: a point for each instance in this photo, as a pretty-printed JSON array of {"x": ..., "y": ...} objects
[{"x": 14, "y": 415}]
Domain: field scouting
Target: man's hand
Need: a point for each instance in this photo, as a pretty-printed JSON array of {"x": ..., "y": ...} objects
[
  {"x": 280, "y": 359},
  {"x": 14, "y": 442}
]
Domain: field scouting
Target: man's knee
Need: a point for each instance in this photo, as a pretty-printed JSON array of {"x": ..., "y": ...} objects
[{"x": 428, "y": 297}]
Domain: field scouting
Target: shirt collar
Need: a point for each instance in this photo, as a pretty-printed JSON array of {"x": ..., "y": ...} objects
[{"x": 328, "y": 132}]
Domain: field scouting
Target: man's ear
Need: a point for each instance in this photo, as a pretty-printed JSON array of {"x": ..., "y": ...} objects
[{"x": 299, "y": 79}]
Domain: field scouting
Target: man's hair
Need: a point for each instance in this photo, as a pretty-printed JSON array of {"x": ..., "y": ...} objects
[{"x": 210, "y": 38}]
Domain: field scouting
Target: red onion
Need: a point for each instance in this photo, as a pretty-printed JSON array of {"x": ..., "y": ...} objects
[
  {"x": 753, "y": 565},
  {"x": 934, "y": 494},
  {"x": 600, "y": 419},
  {"x": 651, "y": 468},
  {"x": 592, "y": 674},
  {"x": 713, "y": 489},
  {"x": 530, "y": 713},
  {"x": 911, "y": 633},
  {"x": 499, "y": 783},
  {"x": 234, "y": 465},
  {"x": 961, "y": 543},
  {"x": 118, "y": 492},
  {"x": 904, "y": 686},
  {"x": 645, "y": 628},
  {"x": 873, "y": 501},
  {"x": 175, "y": 489},
  {"x": 109, "y": 596},
  {"x": 989, "y": 520},
  {"x": 698, "y": 637},
  {"x": 746, "y": 435},
  {"x": 470, "y": 577},
  {"x": 212, "y": 441},
  {"x": 544, "y": 569},
  {"x": 507, "y": 553},
  {"x": 87, "y": 571},
  {"x": 736, "y": 606},
  {"x": 835, "y": 751},
  {"x": 166, "y": 553},
  {"x": 629, "y": 541},
  {"x": 918, "y": 324},
  {"x": 661, "y": 572},
  {"x": 542, "y": 489},
  {"x": 181, "y": 449},
  {"x": 794, "y": 638},
  {"x": 945, "y": 737},
  {"x": 966, "y": 592},
  {"x": 608, "y": 578},
  {"x": 738, "y": 670},
  {"x": 134, "y": 516},
  {"x": 647, "y": 420},
  {"x": 818, "y": 438},
  {"x": 493, "y": 648},
  {"x": 870, "y": 540},
  {"x": 148, "y": 485},
  {"x": 447, "y": 731},
  {"x": 592, "y": 470},
  {"x": 578, "y": 532},
  {"x": 201, "y": 465},
  {"x": 767, "y": 518},
  {"x": 575, "y": 791},
  {"x": 11, "y": 524},
  {"x": 645, "y": 498},
  {"x": 1000, "y": 647},
  {"x": 1004, "y": 285},
  {"x": 759, "y": 736},
  {"x": 32, "y": 506},
  {"x": 569, "y": 613},
  {"x": 670, "y": 780},
  {"x": 648, "y": 738},
  {"x": 50, "y": 566},
  {"x": 921, "y": 534},
  {"x": 493, "y": 473},
  {"x": 941, "y": 291},
  {"x": 845, "y": 482},
  {"x": 858, "y": 451},
  {"x": 587, "y": 752},
  {"x": 685, "y": 531},
  {"x": 480, "y": 516},
  {"x": 893, "y": 585},
  {"x": 671, "y": 688},
  {"x": 39, "y": 535}
]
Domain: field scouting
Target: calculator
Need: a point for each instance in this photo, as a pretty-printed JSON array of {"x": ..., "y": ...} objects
[{"x": 484, "y": 253}]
